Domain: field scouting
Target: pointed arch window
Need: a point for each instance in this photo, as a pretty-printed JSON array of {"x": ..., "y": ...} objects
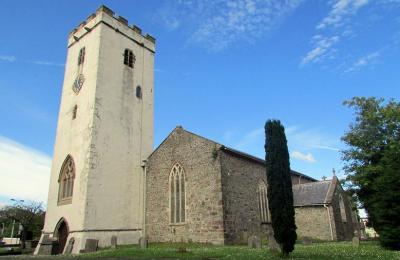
[
  {"x": 263, "y": 203},
  {"x": 129, "y": 58},
  {"x": 66, "y": 181},
  {"x": 177, "y": 194}
]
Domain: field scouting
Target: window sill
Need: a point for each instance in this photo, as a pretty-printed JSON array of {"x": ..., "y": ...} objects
[
  {"x": 178, "y": 224},
  {"x": 64, "y": 201}
]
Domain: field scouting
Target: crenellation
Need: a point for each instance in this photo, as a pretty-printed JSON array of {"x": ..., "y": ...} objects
[
  {"x": 123, "y": 20},
  {"x": 81, "y": 25},
  {"x": 72, "y": 32},
  {"x": 150, "y": 38},
  {"x": 90, "y": 17},
  {"x": 106, "y": 10},
  {"x": 136, "y": 29}
]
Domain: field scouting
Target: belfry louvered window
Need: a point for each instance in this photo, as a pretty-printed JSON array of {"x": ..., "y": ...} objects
[
  {"x": 177, "y": 194},
  {"x": 66, "y": 181},
  {"x": 129, "y": 58},
  {"x": 81, "y": 57},
  {"x": 263, "y": 202}
]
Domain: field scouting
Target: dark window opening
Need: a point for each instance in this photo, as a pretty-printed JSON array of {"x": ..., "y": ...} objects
[
  {"x": 74, "y": 112},
  {"x": 129, "y": 58},
  {"x": 81, "y": 57},
  {"x": 139, "y": 92}
]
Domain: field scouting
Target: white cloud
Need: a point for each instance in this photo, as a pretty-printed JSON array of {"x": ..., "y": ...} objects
[
  {"x": 7, "y": 58},
  {"x": 25, "y": 172},
  {"x": 303, "y": 157},
  {"x": 218, "y": 24},
  {"x": 341, "y": 9},
  {"x": 10, "y": 58},
  {"x": 321, "y": 47},
  {"x": 309, "y": 139},
  {"x": 366, "y": 60},
  {"x": 337, "y": 23},
  {"x": 46, "y": 63}
]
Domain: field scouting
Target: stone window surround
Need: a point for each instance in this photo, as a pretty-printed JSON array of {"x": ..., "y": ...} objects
[
  {"x": 342, "y": 209},
  {"x": 66, "y": 181},
  {"x": 179, "y": 170},
  {"x": 262, "y": 191},
  {"x": 129, "y": 58}
]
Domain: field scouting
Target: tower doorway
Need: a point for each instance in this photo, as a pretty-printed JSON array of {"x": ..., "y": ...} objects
[{"x": 61, "y": 233}]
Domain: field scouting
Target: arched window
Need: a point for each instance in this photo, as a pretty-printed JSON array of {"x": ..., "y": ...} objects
[
  {"x": 177, "y": 194},
  {"x": 66, "y": 181},
  {"x": 129, "y": 58},
  {"x": 342, "y": 208},
  {"x": 139, "y": 92},
  {"x": 74, "y": 111},
  {"x": 263, "y": 202}
]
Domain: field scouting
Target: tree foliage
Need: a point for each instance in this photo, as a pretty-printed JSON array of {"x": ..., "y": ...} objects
[
  {"x": 280, "y": 194},
  {"x": 30, "y": 215},
  {"x": 373, "y": 164}
]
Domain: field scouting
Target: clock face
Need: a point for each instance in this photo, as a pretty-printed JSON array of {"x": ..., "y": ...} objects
[{"x": 78, "y": 83}]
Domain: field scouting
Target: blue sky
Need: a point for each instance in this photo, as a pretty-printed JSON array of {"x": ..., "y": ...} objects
[{"x": 222, "y": 69}]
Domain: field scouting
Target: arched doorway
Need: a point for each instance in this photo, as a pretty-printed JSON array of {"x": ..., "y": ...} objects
[{"x": 61, "y": 233}]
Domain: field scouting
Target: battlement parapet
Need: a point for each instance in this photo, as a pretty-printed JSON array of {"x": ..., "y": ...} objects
[{"x": 121, "y": 24}]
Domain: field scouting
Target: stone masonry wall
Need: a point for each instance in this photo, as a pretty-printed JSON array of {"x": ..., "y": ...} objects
[
  {"x": 344, "y": 229},
  {"x": 313, "y": 222},
  {"x": 240, "y": 178},
  {"x": 204, "y": 220}
]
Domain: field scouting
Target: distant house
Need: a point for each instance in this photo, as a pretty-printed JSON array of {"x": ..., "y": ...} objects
[{"x": 201, "y": 191}]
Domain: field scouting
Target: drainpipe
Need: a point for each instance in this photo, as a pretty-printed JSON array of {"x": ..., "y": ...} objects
[
  {"x": 144, "y": 197},
  {"x": 330, "y": 222}
]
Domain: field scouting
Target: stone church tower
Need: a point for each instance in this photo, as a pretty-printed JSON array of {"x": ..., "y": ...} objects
[{"x": 104, "y": 132}]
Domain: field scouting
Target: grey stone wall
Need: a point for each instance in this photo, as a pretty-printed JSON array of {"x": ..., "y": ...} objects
[
  {"x": 240, "y": 178},
  {"x": 344, "y": 229},
  {"x": 204, "y": 220},
  {"x": 313, "y": 222},
  {"x": 298, "y": 180}
]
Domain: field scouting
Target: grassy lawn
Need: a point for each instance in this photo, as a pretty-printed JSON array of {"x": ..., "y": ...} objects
[
  {"x": 334, "y": 250},
  {"x": 331, "y": 250}
]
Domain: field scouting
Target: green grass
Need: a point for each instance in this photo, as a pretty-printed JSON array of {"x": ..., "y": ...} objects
[
  {"x": 328, "y": 250},
  {"x": 331, "y": 250}
]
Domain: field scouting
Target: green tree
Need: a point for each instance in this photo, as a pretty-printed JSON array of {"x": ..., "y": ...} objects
[
  {"x": 373, "y": 164},
  {"x": 280, "y": 194},
  {"x": 29, "y": 214}
]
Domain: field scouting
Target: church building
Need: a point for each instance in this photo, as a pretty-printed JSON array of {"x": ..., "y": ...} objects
[
  {"x": 198, "y": 190},
  {"x": 107, "y": 184}
]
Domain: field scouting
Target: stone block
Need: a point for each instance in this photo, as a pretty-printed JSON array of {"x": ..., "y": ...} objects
[
  {"x": 91, "y": 245},
  {"x": 143, "y": 242},
  {"x": 356, "y": 241},
  {"x": 254, "y": 242},
  {"x": 114, "y": 242},
  {"x": 306, "y": 241},
  {"x": 70, "y": 246}
]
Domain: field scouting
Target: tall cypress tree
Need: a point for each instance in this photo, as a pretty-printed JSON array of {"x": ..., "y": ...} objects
[{"x": 280, "y": 194}]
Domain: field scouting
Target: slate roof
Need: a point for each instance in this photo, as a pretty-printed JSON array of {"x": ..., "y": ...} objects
[
  {"x": 261, "y": 161},
  {"x": 312, "y": 193}
]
